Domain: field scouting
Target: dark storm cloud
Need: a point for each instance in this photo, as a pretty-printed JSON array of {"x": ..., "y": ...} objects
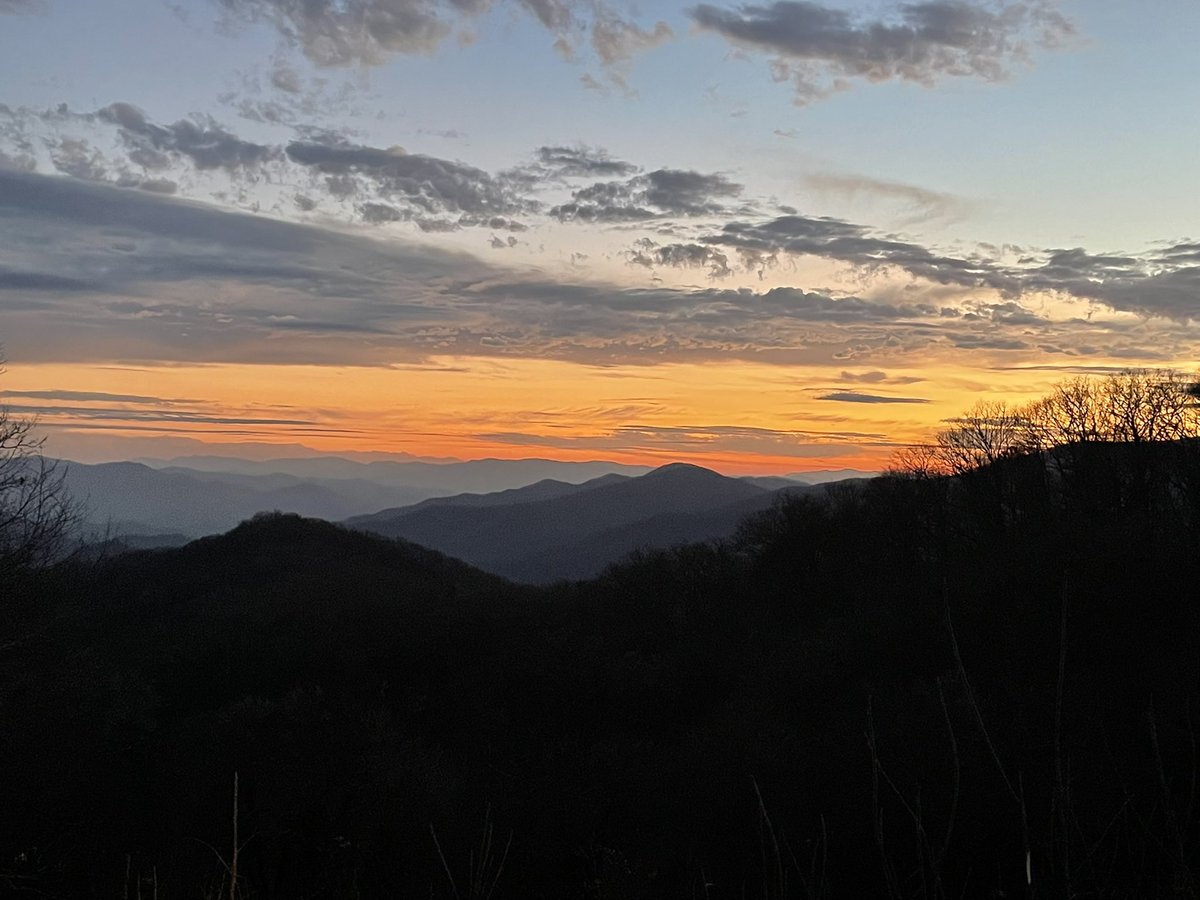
[
  {"x": 856, "y": 397},
  {"x": 202, "y": 141},
  {"x": 663, "y": 192},
  {"x": 821, "y": 47}
]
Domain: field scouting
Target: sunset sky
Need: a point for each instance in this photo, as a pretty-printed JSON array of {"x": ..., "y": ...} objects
[{"x": 766, "y": 237}]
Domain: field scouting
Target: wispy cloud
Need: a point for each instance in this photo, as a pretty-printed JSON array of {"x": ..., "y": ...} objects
[
  {"x": 856, "y": 397},
  {"x": 97, "y": 396},
  {"x": 916, "y": 204}
]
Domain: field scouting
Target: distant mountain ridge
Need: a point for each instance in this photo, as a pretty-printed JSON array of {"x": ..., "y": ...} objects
[
  {"x": 135, "y": 498},
  {"x": 440, "y": 478},
  {"x": 576, "y": 533}
]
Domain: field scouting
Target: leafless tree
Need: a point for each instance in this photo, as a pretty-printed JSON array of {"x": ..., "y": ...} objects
[
  {"x": 37, "y": 515},
  {"x": 987, "y": 433}
]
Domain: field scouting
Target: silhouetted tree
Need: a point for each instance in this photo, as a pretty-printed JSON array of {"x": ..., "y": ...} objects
[{"x": 36, "y": 513}]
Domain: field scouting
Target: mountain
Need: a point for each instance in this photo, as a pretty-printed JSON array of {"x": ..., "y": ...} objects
[
  {"x": 775, "y": 482},
  {"x": 576, "y": 534},
  {"x": 546, "y": 489},
  {"x": 824, "y": 476},
  {"x": 478, "y": 475},
  {"x": 131, "y": 498}
]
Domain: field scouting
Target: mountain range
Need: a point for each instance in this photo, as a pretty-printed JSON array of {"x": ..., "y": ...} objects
[
  {"x": 550, "y": 531},
  {"x": 534, "y": 521},
  {"x": 195, "y": 496}
]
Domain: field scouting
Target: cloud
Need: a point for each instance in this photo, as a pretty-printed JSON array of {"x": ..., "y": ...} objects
[
  {"x": 19, "y": 7},
  {"x": 695, "y": 256},
  {"x": 425, "y": 184},
  {"x": 367, "y": 31},
  {"x": 370, "y": 32},
  {"x": 823, "y": 49},
  {"x": 145, "y": 277},
  {"x": 922, "y": 204},
  {"x": 92, "y": 272},
  {"x": 663, "y": 192},
  {"x": 876, "y": 377},
  {"x": 616, "y": 41},
  {"x": 700, "y": 439},
  {"x": 580, "y": 162},
  {"x": 178, "y": 417},
  {"x": 202, "y": 141},
  {"x": 856, "y": 245},
  {"x": 96, "y": 396},
  {"x": 856, "y": 397},
  {"x": 41, "y": 281}
]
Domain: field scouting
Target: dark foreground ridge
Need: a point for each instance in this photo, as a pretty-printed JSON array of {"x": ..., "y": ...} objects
[{"x": 916, "y": 686}]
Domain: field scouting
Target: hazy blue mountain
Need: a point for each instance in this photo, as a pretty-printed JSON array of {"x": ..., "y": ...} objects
[
  {"x": 480, "y": 475},
  {"x": 589, "y": 556},
  {"x": 578, "y": 532},
  {"x": 546, "y": 489},
  {"x": 824, "y": 476},
  {"x": 775, "y": 482},
  {"x": 131, "y": 498}
]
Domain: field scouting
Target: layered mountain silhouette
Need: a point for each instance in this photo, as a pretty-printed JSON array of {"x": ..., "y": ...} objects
[
  {"x": 134, "y": 500},
  {"x": 550, "y": 531},
  {"x": 434, "y": 478}
]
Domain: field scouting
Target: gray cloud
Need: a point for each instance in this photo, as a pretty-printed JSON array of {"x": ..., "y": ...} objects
[
  {"x": 369, "y": 32},
  {"x": 855, "y": 244},
  {"x": 148, "y": 277},
  {"x": 663, "y": 192},
  {"x": 425, "y": 184},
  {"x": 202, "y": 141},
  {"x": 695, "y": 256},
  {"x": 580, "y": 162},
  {"x": 41, "y": 281},
  {"x": 18, "y": 7},
  {"x": 96, "y": 396},
  {"x": 77, "y": 158},
  {"x": 856, "y": 397},
  {"x": 92, "y": 272},
  {"x": 365, "y": 31},
  {"x": 822, "y": 48}
]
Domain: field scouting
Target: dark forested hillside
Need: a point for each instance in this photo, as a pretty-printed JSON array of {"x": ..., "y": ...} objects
[{"x": 983, "y": 683}]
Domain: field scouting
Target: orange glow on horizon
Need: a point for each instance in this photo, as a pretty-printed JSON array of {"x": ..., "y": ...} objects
[{"x": 735, "y": 417}]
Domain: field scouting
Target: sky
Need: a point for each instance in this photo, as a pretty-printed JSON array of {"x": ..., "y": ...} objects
[{"x": 764, "y": 237}]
